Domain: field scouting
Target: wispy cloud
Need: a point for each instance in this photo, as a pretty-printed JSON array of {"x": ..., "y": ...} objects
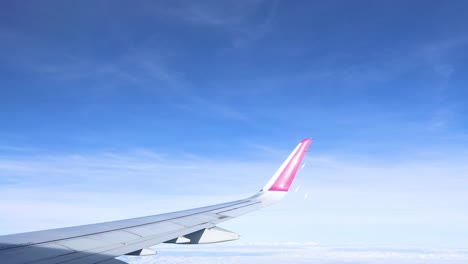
[
  {"x": 441, "y": 54},
  {"x": 244, "y": 21},
  {"x": 146, "y": 70},
  {"x": 20, "y": 149},
  {"x": 212, "y": 107}
]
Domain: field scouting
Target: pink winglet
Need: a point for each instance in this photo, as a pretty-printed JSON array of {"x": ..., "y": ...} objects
[{"x": 286, "y": 177}]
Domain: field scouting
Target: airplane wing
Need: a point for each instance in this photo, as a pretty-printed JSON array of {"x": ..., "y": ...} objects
[{"x": 101, "y": 243}]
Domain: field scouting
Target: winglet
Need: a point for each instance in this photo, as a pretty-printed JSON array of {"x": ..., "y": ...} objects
[
  {"x": 278, "y": 186},
  {"x": 284, "y": 176}
]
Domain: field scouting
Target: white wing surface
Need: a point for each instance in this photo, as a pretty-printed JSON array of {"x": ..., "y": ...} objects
[{"x": 101, "y": 243}]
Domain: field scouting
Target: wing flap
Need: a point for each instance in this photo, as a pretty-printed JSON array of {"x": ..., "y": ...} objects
[{"x": 206, "y": 236}]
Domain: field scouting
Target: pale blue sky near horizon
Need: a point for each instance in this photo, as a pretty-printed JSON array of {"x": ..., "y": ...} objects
[{"x": 108, "y": 108}]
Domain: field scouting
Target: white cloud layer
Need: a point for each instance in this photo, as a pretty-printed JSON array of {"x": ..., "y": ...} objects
[{"x": 299, "y": 253}]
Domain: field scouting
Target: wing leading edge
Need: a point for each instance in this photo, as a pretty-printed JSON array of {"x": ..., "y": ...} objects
[{"x": 101, "y": 243}]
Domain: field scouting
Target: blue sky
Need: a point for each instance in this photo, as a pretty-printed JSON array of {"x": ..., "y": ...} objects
[{"x": 108, "y": 104}]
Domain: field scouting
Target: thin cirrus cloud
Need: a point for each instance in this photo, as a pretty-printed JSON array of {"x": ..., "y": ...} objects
[{"x": 349, "y": 199}]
